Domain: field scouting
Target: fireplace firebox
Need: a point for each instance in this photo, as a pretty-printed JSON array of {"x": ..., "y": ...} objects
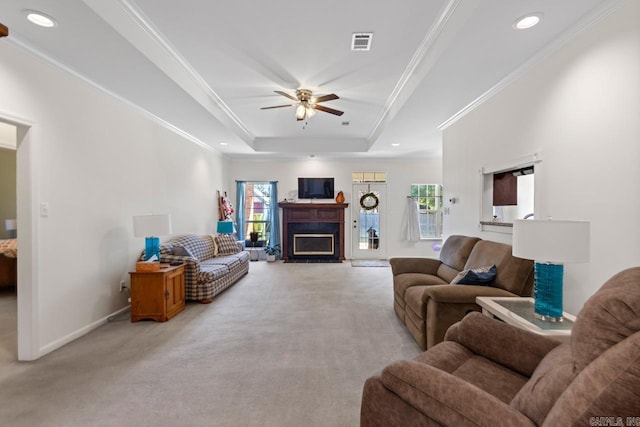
[{"x": 313, "y": 244}]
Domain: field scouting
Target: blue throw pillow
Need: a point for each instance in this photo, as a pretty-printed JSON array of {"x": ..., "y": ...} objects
[{"x": 481, "y": 276}]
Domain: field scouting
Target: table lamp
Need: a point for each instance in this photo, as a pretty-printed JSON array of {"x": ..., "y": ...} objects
[
  {"x": 226, "y": 227},
  {"x": 550, "y": 243},
  {"x": 149, "y": 227},
  {"x": 11, "y": 225}
]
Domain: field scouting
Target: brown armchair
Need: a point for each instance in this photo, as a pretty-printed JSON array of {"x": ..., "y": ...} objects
[{"x": 489, "y": 373}]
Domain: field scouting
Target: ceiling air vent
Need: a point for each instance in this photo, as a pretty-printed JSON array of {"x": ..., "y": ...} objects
[{"x": 361, "y": 41}]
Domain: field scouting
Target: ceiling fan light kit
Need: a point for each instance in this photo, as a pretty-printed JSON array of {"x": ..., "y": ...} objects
[{"x": 306, "y": 105}]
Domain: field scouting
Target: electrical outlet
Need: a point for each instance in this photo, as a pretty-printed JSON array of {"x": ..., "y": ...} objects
[{"x": 122, "y": 286}]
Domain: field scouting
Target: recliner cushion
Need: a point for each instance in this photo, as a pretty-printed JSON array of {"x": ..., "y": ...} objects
[
  {"x": 607, "y": 386},
  {"x": 513, "y": 274},
  {"x": 404, "y": 281},
  {"x": 611, "y": 315},
  {"x": 552, "y": 376},
  {"x": 456, "y": 250}
]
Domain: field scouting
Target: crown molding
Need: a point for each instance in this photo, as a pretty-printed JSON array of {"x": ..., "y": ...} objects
[
  {"x": 149, "y": 115},
  {"x": 589, "y": 20}
]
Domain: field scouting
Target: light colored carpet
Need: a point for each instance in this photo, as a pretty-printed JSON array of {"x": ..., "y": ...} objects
[
  {"x": 370, "y": 263},
  {"x": 288, "y": 345},
  {"x": 8, "y": 325}
]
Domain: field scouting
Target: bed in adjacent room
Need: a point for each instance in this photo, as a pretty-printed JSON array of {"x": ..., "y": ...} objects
[{"x": 8, "y": 262}]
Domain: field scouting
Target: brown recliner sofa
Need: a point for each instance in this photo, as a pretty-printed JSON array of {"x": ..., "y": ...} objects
[
  {"x": 488, "y": 373},
  {"x": 426, "y": 302}
]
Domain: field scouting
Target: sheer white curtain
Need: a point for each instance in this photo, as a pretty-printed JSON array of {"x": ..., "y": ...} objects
[{"x": 413, "y": 220}]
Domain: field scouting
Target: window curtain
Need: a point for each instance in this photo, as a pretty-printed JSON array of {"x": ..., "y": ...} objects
[
  {"x": 413, "y": 220},
  {"x": 240, "y": 190},
  {"x": 274, "y": 215}
]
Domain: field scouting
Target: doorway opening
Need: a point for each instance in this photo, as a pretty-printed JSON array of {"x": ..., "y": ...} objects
[
  {"x": 26, "y": 286},
  {"x": 8, "y": 244}
]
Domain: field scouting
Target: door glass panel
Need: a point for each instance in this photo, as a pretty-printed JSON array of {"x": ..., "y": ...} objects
[{"x": 369, "y": 225}]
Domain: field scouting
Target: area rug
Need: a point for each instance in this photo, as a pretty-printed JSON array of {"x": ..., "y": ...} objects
[{"x": 369, "y": 263}]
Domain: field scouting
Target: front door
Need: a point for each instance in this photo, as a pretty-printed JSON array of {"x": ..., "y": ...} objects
[{"x": 367, "y": 215}]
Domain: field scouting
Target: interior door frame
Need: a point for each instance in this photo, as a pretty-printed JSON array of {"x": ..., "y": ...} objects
[
  {"x": 27, "y": 286},
  {"x": 381, "y": 251}
]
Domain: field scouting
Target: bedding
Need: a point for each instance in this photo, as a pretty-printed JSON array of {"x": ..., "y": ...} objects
[
  {"x": 8, "y": 262},
  {"x": 9, "y": 248}
]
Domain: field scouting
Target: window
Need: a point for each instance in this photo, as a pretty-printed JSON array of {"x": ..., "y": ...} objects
[
  {"x": 429, "y": 197},
  {"x": 364, "y": 177},
  {"x": 256, "y": 212}
]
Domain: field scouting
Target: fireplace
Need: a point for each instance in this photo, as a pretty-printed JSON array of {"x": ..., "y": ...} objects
[
  {"x": 313, "y": 244},
  {"x": 313, "y": 231}
]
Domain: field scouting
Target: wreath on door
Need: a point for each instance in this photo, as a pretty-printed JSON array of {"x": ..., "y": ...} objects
[{"x": 369, "y": 201}]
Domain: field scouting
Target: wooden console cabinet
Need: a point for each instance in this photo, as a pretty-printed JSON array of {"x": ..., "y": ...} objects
[{"x": 157, "y": 295}]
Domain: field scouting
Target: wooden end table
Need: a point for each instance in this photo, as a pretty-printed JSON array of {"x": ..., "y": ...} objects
[
  {"x": 157, "y": 295},
  {"x": 519, "y": 312}
]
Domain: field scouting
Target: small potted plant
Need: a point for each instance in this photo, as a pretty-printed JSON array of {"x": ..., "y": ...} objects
[{"x": 272, "y": 252}]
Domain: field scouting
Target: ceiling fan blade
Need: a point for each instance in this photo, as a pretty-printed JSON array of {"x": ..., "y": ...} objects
[
  {"x": 277, "y": 106},
  {"x": 328, "y": 110},
  {"x": 279, "y": 92},
  {"x": 324, "y": 98}
]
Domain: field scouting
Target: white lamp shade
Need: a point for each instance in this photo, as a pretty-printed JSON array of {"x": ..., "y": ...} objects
[
  {"x": 151, "y": 225},
  {"x": 551, "y": 241},
  {"x": 10, "y": 224}
]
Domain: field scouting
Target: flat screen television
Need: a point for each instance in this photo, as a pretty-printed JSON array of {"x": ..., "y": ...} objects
[{"x": 315, "y": 188}]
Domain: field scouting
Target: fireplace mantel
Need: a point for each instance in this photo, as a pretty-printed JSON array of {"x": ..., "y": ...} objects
[{"x": 296, "y": 214}]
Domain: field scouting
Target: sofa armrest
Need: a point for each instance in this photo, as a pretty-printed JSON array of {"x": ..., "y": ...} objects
[
  {"x": 414, "y": 265},
  {"x": 507, "y": 345},
  {"x": 446, "y": 399},
  {"x": 462, "y": 294},
  {"x": 190, "y": 262}
]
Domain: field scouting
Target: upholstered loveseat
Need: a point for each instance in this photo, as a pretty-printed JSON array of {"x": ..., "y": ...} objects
[
  {"x": 212, "y": 263},
  {"x": 426, "y": 301},
  {"x": 488, "y": 373}
]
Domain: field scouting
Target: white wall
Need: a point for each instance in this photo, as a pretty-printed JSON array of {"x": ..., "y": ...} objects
[
  {"x": 97, "y": 162},
  {"x": 579, "y": 108},
  {"x": 400, "y": 175}
]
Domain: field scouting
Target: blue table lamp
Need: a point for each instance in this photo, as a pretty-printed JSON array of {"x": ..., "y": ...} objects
[
  {"x": 226, "y": 227},
  {"x": 550, "y": 243},
  {"x": 150, "y": 227}
]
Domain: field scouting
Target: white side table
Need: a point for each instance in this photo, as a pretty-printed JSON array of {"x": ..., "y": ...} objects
[{"x": 519, "y": 312}]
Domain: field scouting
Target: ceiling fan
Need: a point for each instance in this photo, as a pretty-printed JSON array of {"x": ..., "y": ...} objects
[{"x": 305, "y": 103}]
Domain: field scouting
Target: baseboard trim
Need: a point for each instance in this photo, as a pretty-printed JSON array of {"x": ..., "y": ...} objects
[{"x": 77, "y": 334}]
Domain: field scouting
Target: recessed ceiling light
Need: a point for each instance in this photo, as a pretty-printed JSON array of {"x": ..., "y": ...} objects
[
  {"x": 527, "y": 21},
  {"x": 395, "y": 144},
  {"x": 224, "y": 143},
  {"x": 40, "y": 19}
]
